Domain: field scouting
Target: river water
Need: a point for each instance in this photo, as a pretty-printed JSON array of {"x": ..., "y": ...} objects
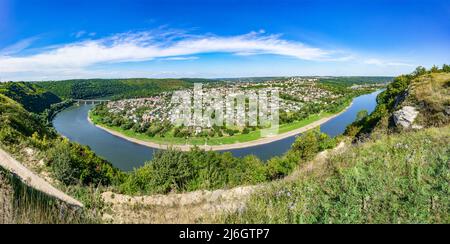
[{"x": 125, "y": 155}]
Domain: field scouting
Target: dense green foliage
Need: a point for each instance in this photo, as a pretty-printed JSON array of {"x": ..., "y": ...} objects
[
  {"x": 176, "y": 171},
  {"x": 395, "y": 179},
  {"x": 48, "y": 114},
  {"x": 114, "y": 88},
  {"x": 355, "y": 80},
  {"x": 75, "y": 164},
  {"x": 70, "y": 162},
  {"x": 33, "y": 98}
]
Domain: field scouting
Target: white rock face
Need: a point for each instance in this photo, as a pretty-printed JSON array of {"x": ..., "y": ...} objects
[{"x": 405, "y": 117}]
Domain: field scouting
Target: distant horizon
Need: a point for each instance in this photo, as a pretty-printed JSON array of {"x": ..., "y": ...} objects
[{"x": 204, "y": 78}]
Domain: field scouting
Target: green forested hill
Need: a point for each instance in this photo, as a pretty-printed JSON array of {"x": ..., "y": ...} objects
[
  {"x": 33, "y": 98},
  {"x": 355, "y": 80},
  {"x": 69, "y": 162},
  {"x": 16, "y": 122},
  {"x": 96, "y": 88}
]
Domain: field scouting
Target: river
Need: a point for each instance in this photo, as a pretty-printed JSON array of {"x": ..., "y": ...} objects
[{"x": 125, "y": 155}]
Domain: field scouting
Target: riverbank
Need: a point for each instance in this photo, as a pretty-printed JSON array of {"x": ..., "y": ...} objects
[{"x": 186, "y": 147}]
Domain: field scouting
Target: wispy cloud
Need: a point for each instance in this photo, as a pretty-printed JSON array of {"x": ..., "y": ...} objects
[
  {"x": 82, "y": 33},
  {"x": 17, "y": 47},
  {"x": 380, "y": 62},
  {"x": 79, "y": 34},
  {"x": 181, "y": 58},
  {"x": 149, "y": 45}
]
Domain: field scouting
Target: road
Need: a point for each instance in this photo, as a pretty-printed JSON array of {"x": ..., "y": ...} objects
[{"x": 33, "y": 180}]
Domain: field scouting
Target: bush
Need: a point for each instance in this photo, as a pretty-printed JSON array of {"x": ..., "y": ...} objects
[
  {"x": 278, "y": 167},
  {"x": 310, "y": 143},
  {"x": 72, "y": 164},
  {"x": 168, "y": 171},
  {"x": 63, "y": 167}
]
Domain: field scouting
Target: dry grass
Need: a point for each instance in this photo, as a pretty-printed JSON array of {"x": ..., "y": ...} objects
[
  {"x": 431, "y": 95},
  {"x": 21, "y": 204},
  {"x": 433, "y": 90},
  {"x": 191, "y": 207}
]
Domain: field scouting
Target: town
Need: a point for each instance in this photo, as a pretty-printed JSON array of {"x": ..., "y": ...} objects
[{"x": 299, "y": 97}]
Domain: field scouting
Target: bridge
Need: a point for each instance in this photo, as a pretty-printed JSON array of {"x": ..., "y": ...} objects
[{"x": 90, "y": 101}]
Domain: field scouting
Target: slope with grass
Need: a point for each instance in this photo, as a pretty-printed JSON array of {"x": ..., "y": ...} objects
[
  {"x": 23, "y": 204},
  {"x": 390, "y": 175},
  {"x": 394, "y": 179}
]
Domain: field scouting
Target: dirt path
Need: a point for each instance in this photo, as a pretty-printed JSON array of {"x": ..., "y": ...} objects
[
  {"x": 318, "y": 162},
  {"x": 32, "y": 180},
  {"x": 184, "y": 208},
  {"x": 261, "y": 141},
  {"x": 194, "y": 207}
]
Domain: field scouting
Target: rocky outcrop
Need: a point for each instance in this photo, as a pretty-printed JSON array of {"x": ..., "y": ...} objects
[
  {"x": 405, "y": 117},
  {"x": 399, "y": 99}
]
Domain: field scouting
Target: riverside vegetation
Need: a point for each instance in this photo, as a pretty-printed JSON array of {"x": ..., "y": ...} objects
[{"x": 351, "y": 187}]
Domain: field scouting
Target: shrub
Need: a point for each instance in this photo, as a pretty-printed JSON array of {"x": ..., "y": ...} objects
[
  {"x": 278, "y": 167},
  {"x": 72, "y": 164},
  {"x": 62, "y": 165},
  {"x": 310, "y": 143}
]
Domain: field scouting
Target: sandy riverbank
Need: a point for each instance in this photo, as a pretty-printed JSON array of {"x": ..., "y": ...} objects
[{"x": 238, "y": 145}]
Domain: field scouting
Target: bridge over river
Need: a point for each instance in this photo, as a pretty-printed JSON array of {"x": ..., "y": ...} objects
[{"x": 90, "y": 101}]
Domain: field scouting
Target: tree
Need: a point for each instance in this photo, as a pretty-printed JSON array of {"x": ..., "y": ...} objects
[
  {"x": 61, "y": 163},
  {"x": 170, "y": 171},
  {"x": 420, "y": 71},
  {"x": 446, "y": 68},
  {"x": 310, "y": 143},
  {"x": 361, "y": 115},
  {"x": 278, "y": 167},
  {"x": 434, "y": 69}
]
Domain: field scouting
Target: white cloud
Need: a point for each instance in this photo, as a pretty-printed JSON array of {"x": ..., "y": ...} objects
[
  {"x": 80, "y": 58},
  {"x": 149, "y": 45},
  {"x": 379, "y": 62},
  {"x": 181, "y": 58}
]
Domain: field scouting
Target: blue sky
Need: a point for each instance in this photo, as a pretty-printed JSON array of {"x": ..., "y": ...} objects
[{"x": 45, "y": 40}]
